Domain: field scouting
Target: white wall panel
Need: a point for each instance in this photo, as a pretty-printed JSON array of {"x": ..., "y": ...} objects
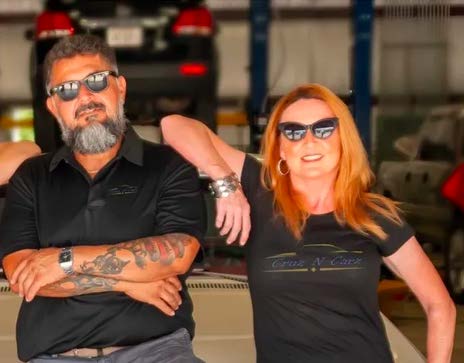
[
  {"x": 330, "y": 53},
  {"x": 456, "y": 55},
  {"x": 232, "y": 42},
  {"x": 290, "y": 59},
  {"x": 311, "y": 51},
  {"x": 14, "y": 62},
  {"x": 300, "y": 51}
]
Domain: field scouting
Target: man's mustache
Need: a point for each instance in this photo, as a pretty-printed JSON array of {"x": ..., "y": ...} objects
[{"x": 89, "y": 106}]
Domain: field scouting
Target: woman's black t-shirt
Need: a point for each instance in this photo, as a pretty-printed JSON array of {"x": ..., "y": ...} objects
[{"x": 315, "y": 300}]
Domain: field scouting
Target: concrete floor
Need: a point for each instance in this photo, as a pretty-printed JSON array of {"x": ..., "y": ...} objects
[{"x": 409, "y": 317}]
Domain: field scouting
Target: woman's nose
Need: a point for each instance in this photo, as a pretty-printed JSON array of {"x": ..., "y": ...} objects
[{"x": 309, "y": 137}]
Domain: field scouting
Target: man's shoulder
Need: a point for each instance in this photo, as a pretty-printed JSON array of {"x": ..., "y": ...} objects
[
  {"x": 154, "y": 147},
  {"x": 36, "y": 163},
  {"x": 31, "y": 172},
  {"x": 160, "y": 154}
]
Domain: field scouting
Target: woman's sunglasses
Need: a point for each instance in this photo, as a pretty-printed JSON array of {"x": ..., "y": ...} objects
[
  {"x": 321, "y": 129},
  {"x": 96, "y": 82}
]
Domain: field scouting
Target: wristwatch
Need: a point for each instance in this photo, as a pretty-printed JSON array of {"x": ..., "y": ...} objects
[{"x": 66, "y": 260}]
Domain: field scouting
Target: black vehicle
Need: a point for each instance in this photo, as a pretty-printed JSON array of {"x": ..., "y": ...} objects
[{"x": 165, "y": 49}]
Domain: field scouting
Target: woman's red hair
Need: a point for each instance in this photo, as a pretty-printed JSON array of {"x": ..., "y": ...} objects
[{"x": 354, "y": 203}]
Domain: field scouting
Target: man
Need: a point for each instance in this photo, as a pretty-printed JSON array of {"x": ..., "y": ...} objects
[
  {"x": 12, "y": 154},
  {"x": 94, "y": 235}
]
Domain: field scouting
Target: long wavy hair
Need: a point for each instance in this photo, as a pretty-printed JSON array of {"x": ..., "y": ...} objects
[{"x": 354, "y": 203}]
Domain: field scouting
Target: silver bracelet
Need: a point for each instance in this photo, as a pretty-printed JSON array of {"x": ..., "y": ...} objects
[{"x": 223, "y": 187}]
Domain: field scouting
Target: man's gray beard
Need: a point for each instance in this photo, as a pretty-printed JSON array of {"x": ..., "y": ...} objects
[{"x": 96, "y": 137}]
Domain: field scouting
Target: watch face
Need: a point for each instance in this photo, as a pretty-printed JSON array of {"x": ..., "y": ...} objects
[
  {"x": 66, "y": 260},
  {"x": 65, "y": 256}
]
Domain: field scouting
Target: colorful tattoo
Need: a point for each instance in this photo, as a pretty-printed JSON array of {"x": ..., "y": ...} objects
[{"x": 163, "y": 249}]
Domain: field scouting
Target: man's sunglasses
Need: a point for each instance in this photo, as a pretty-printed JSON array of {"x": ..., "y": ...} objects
[
  {"x": 95, "y": 82},
  {"x": 321, "y": 129}
]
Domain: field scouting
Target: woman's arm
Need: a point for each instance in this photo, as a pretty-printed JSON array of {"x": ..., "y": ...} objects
[
  {"x": 204, "y": 149},
  {"x": 12, "y": 154},
  {"x": 412, "y": 265},
  {"x": 200, "y": 146}
]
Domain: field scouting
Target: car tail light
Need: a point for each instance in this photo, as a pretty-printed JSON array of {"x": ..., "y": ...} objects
[
  {"x": 452, "y": 188},
  {"x": 197, "y": 21},
  {"x": 193, "y": 69},
  {"x": 53, "y": 24}
]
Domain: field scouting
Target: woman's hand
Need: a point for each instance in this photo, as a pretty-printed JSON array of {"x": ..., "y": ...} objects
[{"x": 233, "y": 216}]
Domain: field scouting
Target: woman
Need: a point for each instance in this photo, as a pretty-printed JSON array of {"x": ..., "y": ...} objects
[
  {"x": 318, "y": 236},
  {"x": 12, "y": 154}
]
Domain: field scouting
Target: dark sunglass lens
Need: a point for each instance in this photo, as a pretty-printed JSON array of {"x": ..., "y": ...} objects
[
  {"x": 97, "y": 82},
  {"x": 68, "y": 91},
  {"x": 324, "y": 128},
  {"x": 294, "y": 132}
]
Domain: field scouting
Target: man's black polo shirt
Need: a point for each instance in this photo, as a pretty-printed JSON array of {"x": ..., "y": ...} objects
[{"x": 146, "y": 190}]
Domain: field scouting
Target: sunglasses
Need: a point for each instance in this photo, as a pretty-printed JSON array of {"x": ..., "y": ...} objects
[
  {"x": 321, "y": 129},
  {"x": 95, "y": 82}
]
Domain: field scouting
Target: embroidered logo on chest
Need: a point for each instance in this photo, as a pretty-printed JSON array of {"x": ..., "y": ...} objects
[{"x": 122, "y": 190}]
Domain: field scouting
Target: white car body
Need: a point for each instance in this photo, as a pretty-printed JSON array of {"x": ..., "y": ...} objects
[{"x": 224, "y": 330}]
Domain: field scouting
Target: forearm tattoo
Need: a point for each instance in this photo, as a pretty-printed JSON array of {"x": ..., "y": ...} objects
[
  {"x": 79, "y": 284},
  {"x": 108, "y": 264},
  {"x": 163, "y": 249}
]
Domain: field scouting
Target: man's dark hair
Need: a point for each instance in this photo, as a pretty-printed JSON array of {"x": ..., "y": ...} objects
[{"x": 71, "y": 46}]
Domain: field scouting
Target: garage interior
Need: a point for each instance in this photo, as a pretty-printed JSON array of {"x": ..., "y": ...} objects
[{"x": 397, "y": 64}]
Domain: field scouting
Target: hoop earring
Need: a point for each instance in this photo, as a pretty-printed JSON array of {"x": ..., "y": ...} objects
[{"x": 279, "y": 168}]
